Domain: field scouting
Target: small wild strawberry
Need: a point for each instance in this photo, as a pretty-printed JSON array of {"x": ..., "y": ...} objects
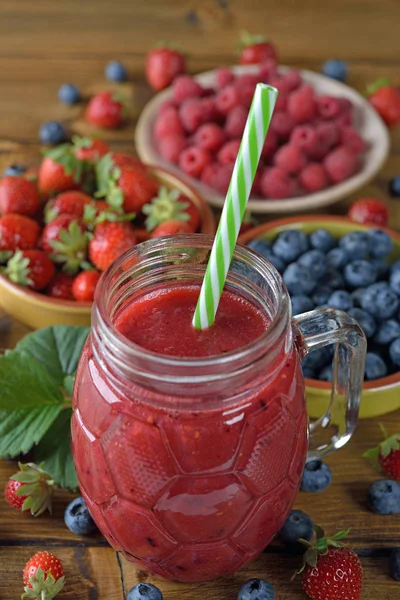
[
  {"x": 30, "y": 489},
  {"x": 387, "y": 454}
]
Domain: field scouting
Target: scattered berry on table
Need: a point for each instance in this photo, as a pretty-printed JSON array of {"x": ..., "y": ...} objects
[
  {"x": 106, "y": 110},
  {"x": 61, "y": 286},
  {"x": 144, "y": 591},
  {"x": 394, "y": 187},
  {"x": 388, "y": 454},
  {"x": 30, "y": 268},
  {"x": 52, "y": 133},
  {"x": 78, "y": 519},
  {"x": 14, "y": 170},
  {"x": 163, "y": 65},
  {"x": 69, "y": 93},
  {"x": 115, "y": 71},
  {"x": 39, "y": 489},
  {"x": 337, "y": 69},
  {"x": 386, "y": 101},
  {"x": 255, "y": 49},
  {"x": 18, "y": 232},
  {"x": 322, "y": 240},
  {"x": 18, "y": 195},
  {"x": 394, "y": 351},
  {"x": 84, "y": 286},
  {"x": 297, "y": 525},
  {"x": 301, "y": 304},
  {"x": 394, "y": 564},
  {"x": 43, "y": 576},
  {"x": 11, "y": 494},
  {"x": 366, "y": 321},
  {"x": 256, "y": 589},
  {"x": 383, "y": 497},
  {"x": 375, "y": 366},
  {"x": 317, "y": 476},
  {"x": 369, "y": 210}
]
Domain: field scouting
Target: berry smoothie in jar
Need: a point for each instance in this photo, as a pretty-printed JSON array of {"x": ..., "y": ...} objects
[{"x": 190, "y": 445}]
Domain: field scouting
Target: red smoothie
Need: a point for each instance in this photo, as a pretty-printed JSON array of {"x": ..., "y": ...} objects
[{"x": 189, "y": 494}]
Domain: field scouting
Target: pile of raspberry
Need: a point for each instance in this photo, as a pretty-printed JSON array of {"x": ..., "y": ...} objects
[{"x": 311, "y": 144}]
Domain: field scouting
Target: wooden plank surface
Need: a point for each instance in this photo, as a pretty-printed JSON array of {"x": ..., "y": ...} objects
[{"x": 43, "y": 44}]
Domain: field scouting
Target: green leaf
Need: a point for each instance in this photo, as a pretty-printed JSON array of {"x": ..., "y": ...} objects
[
  {"x": 22, "y": 429},
  {"x": 54, "y": 450},
  {"x": 69, "y": 381},
  {"x": 58, "y": 348},
  {"x": 25, "y": 383}
]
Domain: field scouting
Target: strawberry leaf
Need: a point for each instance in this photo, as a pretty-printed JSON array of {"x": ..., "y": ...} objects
[{"x": 22, "y": 429}]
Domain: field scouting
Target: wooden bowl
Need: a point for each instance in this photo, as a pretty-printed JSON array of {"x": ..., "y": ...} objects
[
  {"x": 380, "y": 396},
  {"x": 367, "y": 122},
  {"x": 37, "y": 310}
]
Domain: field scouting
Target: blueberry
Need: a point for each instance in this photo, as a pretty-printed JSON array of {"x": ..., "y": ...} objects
[
  {"x": 355, "y": 244},
  {"x": 337, "y": 258},
  {"x": 382, "y": 268},
  {"x": 14, "y": 171},
  {"x": 333, "y": 278},
  {"x": 394, "y": 186},
  {"x": 314, "y": 260},
  {"x": 388, "y": 331},
  {"x": 256, "y": 589},
  {"x": 394, "y": 282},
  {"x": 52, "y": 132},
  {"x": 317, "y": 476},
  {"x": 144, "y": 591},
  {"x": 326, "y": 374},
  {"x": 366, "y": 321},
  {"x": 381, "y": 244},
  {"x": 297, "y": 525},
  {"x": 263, "y": 247},
  {"x": 308, "y": 372},
  {"x": 336, "y": 69},
  {"x": 317, "y": 359},
  {"x": 69, "y": 93},
  {"x": 379, "y": 300},
  {"x": 360, "y": 273},
  {"x": 395, "y": 267},
  {"x": 383, "y": 497},
  {"x": 322, "y": 240},
  {"x": 301, "y": 304},
  {"x": 290, "y": 244},
  {"x": 299, "y": 280},
  {"x": 394, "y": 563},
  {"x": 321, "y": 294},
  {"x": 77, "y": 518},
  {"x": 340, "y": 299},
  {"x": 375, "y": 366},
  {"x": 115, "y": 71},
  {"x": 357, "y": 295},
  {"x": 260, "y": 245},
  {"x": 394, "y": 351}
]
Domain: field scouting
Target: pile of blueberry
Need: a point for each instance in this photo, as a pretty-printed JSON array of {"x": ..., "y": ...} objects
[{"x": 354, "y": 274}]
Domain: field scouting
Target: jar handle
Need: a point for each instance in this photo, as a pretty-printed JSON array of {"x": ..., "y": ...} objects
[{"x": 319, "y": 328}]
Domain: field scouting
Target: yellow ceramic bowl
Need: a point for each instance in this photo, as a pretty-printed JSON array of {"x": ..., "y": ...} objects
[
  {"x": 37, "y": 310},
  {"x": 380, "y": 396}
]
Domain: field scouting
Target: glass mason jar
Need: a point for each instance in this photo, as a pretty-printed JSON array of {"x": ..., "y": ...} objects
[{"x": 191, "y": 466}]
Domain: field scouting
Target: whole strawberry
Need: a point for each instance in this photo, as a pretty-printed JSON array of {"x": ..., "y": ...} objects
[
  {"x": 171, "y": 227},
  {"x": 106, "y": 110},
  {"x": 65, "y": 238},
  {"x": 110, "y": 240},
  {"x": 385, "y": 98},
  {"x": 18, "y": 231},
  {"x": 84, "y": 286},
  {"x": 369, "y": 210},
  {"x": 387, "y": 454},
  {"x": 43, "y": 577},
  {"x": 30, "y": 489},
  {"x": 88, "y": 149},
  {"x": 331, "y": 571},
  {"x": 61, "y": 286},
  {"x": 165, "y": 206},
  {"x": 162, "y": 66},
  {"x": 18, "y": 195},
  {"x": 67, "y": 203},
  {"x": 255, "y": 49},
  {"x": 61, "y": 170},
  {"x": 30, "y": 268}
]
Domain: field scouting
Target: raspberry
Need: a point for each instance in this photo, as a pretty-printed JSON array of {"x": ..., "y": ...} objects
[
  {"x": 344, "y": 119},
  {"x": 210, "y": 112},
  {"x": 168, "y": 123},
  {"x": 313, "y": 177},
  {"x": 350, "y": 138},
  {"x": 207, "y": 92},
  {"x": 318, "y": 152},
  {"x": 328, "y": 107},
  {"x": 282, "y": 124},
  {"x": 191, "y": 114},
  {"x": 290, "y": 159},
  {"x": 185, "y": 87},
  {"x": 235, "y": 122},
  {"x": 209, "y": 137},
  {"x": 302, "y": 105},
  {"x": 224, "y": 77},
  {"x": 340, "y": 164},
  {"x": 171, "y": 147},
  {"x": 228, "y": 153},
  {"x": 276, "y": 183},
  {"x": 267, "y": 70},
  {"x": 217, "y": 176},
  {"x": 270, "y": 145},
  {"x": 345, "y": 105},
  {"x": 281, "y": 101},
  {"x": 246, "y": 93},
  {"x": 328, "y": 134},
  {"x": 227, "y": 99},
  {"x": 256, "y": 188},
  {"x": 193, "y": 160},
  {"x": 247, "y": 79},
  {"x": 291, "y": 80},
  {"x": 166, "y": 104},
  {"x": 305, "y": 137}
]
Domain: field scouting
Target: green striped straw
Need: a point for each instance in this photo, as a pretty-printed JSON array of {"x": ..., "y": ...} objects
[{"x": 235, "y": 204}]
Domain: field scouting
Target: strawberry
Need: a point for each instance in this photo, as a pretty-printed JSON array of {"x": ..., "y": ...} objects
[
  {"x": 166, "y": 206},
  {"x": 18, "y": 232},
  {"x": 162, "y": 66},
  {"x": 90, "y": 150},
  {"x": 385, "y": 98},
  {"x": 30, "y": 268},
  {"x": 67, "y": 203},
  {"x": 121, "y": 159},
  {"x": 388, "y": 454},
  {"x": 61, "y": 170},
  {"x": 43, "y": 577},
  {"x": 171, "y": 227},
  {"x": 106, "y": 110},
  {"x": 84, "y": 286},
  {"x": 126, "y": 188},
  {"x": 65, "y": 238},
  {"x": 331, "y": 571},
  {"x": 110, "y": 240},
  {"x": 255, "y": 49},
  {"x": 61, "y": 286},
  {"x": 30, "y": 489},
  {"x": 369, "y": 210},
  {"x": 18, "y": 195}
]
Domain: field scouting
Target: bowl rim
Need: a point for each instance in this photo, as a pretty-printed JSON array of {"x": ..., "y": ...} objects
[{"x": 250, "y": 234}]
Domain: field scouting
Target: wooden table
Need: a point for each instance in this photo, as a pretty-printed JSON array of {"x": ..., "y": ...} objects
[{"x": 46, "y": 43}]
